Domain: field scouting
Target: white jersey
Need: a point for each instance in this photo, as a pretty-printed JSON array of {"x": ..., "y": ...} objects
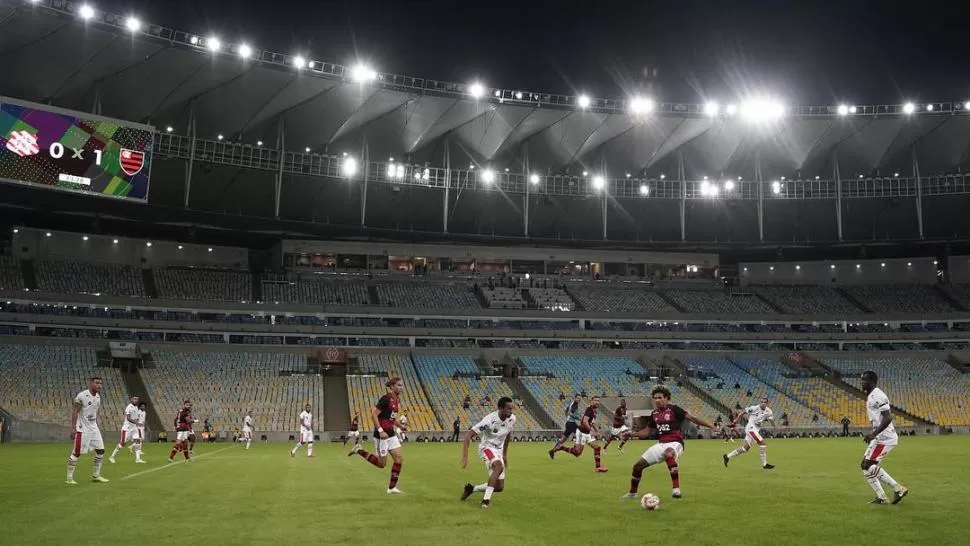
[
  {"x": 492, "y": 431},
  {"x": 87, "y": 417},
  {"x": 756, "y": 416},
  {"x": 247, "y": 424},
  {"x": 306, "y": 421},
  {"x": 876, "y": 403},
  {"x": 131, "y": 414},
  {"x": 141, "y": 418}
]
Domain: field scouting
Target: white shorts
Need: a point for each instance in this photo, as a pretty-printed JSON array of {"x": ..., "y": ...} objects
[
  {"x": 88, "y": 440},
  {"x": 617, "y": 431},
  {"x": 583, "y": 438},
  {"x": 130, "y": 435},
  {"x": 306, "y": 436},
  {"x": 489, "y": 455},
  {"x": 752, "y": 436},
  {"x": 182, "y": 435},
  {"x": 384, "y": 446},
  {"x": 248, "y": 433},
  {"x": 655, "y": 454},
  {"x": 876, "y": 451}
]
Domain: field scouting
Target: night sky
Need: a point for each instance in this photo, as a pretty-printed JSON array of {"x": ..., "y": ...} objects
[{"x": 804, "y": 52}]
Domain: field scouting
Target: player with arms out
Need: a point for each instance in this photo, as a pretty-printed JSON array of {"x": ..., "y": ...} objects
[
  {"x": 384, "y": 417},
  {"x": 573, "y": 416},
  {"x": 494, "y": 432},
  {"x": 881, "y": 441},
  {"x": 619, "y": 430},
  {"x": 129, "y": 432},
  {"x": 87, "y": 434},
  {"x": 354, "y": 432},
  {"x": 587, "y": 433},
  {"x": 667, "y": 419},
  {"x": 248, "y": 428},
  {"x": 306, "y": 432},
  {"x": 183, "y": 428},
  {"x": 752, "y": 432}
]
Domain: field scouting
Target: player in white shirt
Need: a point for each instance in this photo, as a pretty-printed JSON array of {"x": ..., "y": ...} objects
[
  {"x": 881, "y": 441},
  {"x": 248, "y": 428},
  {"x": 87, "y": 434},
  {"x": 129, "y": 432},
  {"x": 306, "y": 432},
  {"x": 752, "y": 432},
  {"x": 494, "y": 432}
]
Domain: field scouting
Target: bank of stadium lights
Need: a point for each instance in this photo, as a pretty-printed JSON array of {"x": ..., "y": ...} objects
[
  {"x": 776, "y": 187},
  {"x": 728, "y": 185},
  {"x": 362, "y": 73},
  {"x": 219, "y": 137},
  {"x": 349, "y": 166},
  {"x": 599, "y": 182},
  {"x": 929, "y": 107},
  {"x": 180, "y": 247},
  {"x": 85, "y": 238},
  {"x": 488, "y": 176},
  {"x": 711, "y": 108},
  {"x": 644, "y": 190},
  {"x": 307, "y": 149},
  {"x": 583, "y": 101},
  {"x": 114, "y": 241},
  {"x": 534, "y": 178},
  {"x": 259, "y": 142},
  {"x": 299, "y": 62},
  {"x": 395, "y": 171},
  {"x": 213, "y": 43},
  {"x": 663, "y": 176},
  {"x": 641, "y": 105},
  {"x": 133, "y": 24},
  {"x": 909, "y": 108},
  {"x": 86, "y": 12},
  {"x": 148, "y": 244},
  {"x": 48, "y": 234},
  {"x": 245, "y": 51},
  {"x": 731, "y": 109},
  {"x": 476, "y": 90},
  {"x": 762, "y": 110}
]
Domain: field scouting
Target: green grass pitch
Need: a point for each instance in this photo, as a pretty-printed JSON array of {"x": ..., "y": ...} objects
[{"x": 232, "y": 496}]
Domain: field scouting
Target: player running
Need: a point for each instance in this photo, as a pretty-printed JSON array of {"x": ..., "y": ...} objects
[
  {"x": 130, "y": 432},
  {"x": 881, "y": 441},
  {"x": 752, "y": 432},
  {"x": 667, "y": 419},
  {"x": 306, "y": 432},
  {"x": 87, "y": 434},
  {"x": 354, "y": 432},
  {"x": 587, "y": 433},
  {"x": 494, "y": 432},
  {"x": 183, "y": 428},
  {"x": 619, "y": 430},
  {"x": 247, "y": 430},
  {"x": 384, "y": 417},
  {"x": 573, "y": 417}
]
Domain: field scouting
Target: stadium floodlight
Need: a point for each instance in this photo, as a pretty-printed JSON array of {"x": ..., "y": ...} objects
[
  {"x": 832, "y": 266},
  {"x": 245, "y": 51},
  {"x": 929, "y": 107},
  {"x": 585, "y": 173},
  {"x": 817, "y": 177},
  {"x": 488, "y": 176},
  {"x": 307, "y": 149},
  {"x": 148, "y": 244},
  {"x": 259, "y": 142},
  {"x": 798, "y": 268},
  {"x": 861, "y": 176},
  {"x": 771, "y": 268},
  {"x": 662, "y": 176},
  {"x": 506, "y": 169},
  {"x": 966, "y": 105},
  {"x": 909, "y": 108},
  {"x": 843, "y": 110},
  {"x": 210, "y": 249},
  {"x": 762, "y": 110},
  {"x": 896, "y": 175},
  {"x": 883, "y": 264},
  {"x": 935, "y": 262},
  {"x": 169, "y": 129},
  {"x": 85, "y": 238},
  {"x": 705, "y": 178},
  {"x": 213, "y": 43},
  {"x": 776, "y": 187},
  {"x": 858, "y": 266},
  {"x": 133, "y": 24},
  {"x": 644, "y": 189},
  {"x": 729, "y": 185},
  {"x": 599, "y": 182},
  {"x": 220, "y": 137},
  {"x": 641, "y": 105},
  {"x": 16, "y": 231},
  {"x": 731, "y": 109},
  {"x": 534, "y": 178},
  {"x": 628, "y": 175},
  {"x": 299, "y": 62},
  {"x": 349, "y": 166},
  {"x": 180, "y": 247},
  {"x": 909, "y": 264},
  {"x": 114, "y": 242},
  {"x": 362, "y": 73},
  {"x": 711, "y": 108},
  {"x": 427, "y": 174},
  {"x": 518, "y": 95},
  {"x": 194, "y": 40},
  {"x": 852, "y": 109},
  {"x": 86, "y": 12},
  {"x": 583, "y": 101},
  {"x": 48, "y": 234},
  {"x": 400, "y": 172},
  {"x": 476, "y": 90}
]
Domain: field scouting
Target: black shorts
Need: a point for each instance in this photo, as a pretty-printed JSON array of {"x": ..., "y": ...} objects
[{"x": 570, "y": 429}]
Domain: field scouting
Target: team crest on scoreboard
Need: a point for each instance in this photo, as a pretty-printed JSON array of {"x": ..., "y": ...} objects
[{"x": 132, "y": 161}]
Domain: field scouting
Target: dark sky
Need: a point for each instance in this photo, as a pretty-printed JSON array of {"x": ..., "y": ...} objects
[{"x": 806, "y": 52}]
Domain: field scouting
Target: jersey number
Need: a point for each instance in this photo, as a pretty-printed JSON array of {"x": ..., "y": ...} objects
[{"x": 663, "y": 427}]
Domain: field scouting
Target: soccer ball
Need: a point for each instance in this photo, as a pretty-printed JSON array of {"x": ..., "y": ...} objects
[
  {"x": 650, "y": 502},
  {"x": 403, "y": 420}
]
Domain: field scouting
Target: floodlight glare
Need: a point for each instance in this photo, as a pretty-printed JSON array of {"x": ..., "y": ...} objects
[
  {"x": 583, "y": 101},
  {"x": 843, "y": 110},
  {"x": 299, "y": 62},
  {"x": 929, "y": 107},
  {"x": 644, "y": 190},
  {"x": 852, "y": 109},
  {"x": 213, "y": 43},
  {"x": 476, "y": 90},
  {"x": 194, "y": 40},
  {"x": 711, "y": 108},
  {"x": 641, "y": 105},
  {"x": 729, "y": 185},
  {"x": 400, "y": 172},
  {"x": 349, "y": 166},
  {"x": 488, "y": 176},
  {"x": 169, "y": 129},
  {"x": 662, "y": 176},
  {"x": 534, "y": 179},
  {"x": 762, "y": 110},
  {"x": 518, "y": 95},
  {"x": 86, "y": 12},
  {"x": 133, "y": 24},
  {"x": 599, "y": 182},
  {"x": 731, "y": 109},
  {"x": 966, "y": 105},
  {"x": 220, "y": 137},
  {"x": 776, "y": 187},
  {"x": 244, "y": 51},
  {"x": 307, "y": 149},
  {"x": 909, "y": 108},
  {"x": 363, "y": 73},
  {"x": 713, "y": 190}
]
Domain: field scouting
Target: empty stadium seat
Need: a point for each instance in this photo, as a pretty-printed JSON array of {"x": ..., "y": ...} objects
[
  {"x": 202, "y": 284},
  {"x": 604, "y": 298},
  {"x": 913, "y": 298},
  {"x": 717, "y": 302},
  {"x": 807, "y": 299},
  {"x": 427, "y": 295},
  {"x": 11, "y": 277},
  {"x": 66, "y": 277},
  {"x": 314, "y": 290},
  {"x": 366, "y": 388}
]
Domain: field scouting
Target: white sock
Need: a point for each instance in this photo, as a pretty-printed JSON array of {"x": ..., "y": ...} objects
[
  {"x": 137, "y": 450},
  {"x": 309, "y": 449},
  {"x": 872, "y": 476},
  {"x": 884, "y": 476},
  {"x": 117, "y": 449},
  {"x": 98, "y": 461},
  {"x": 71, "y": 465},
  {"x": 488, "y": 492},
  {"x": 736, "y": 452},
  {"x": 481, "y": 487},
  {"x": 296, "y": 447},
  {"x": 763, "y": 452},
  {"x": 247, "y": 443}
]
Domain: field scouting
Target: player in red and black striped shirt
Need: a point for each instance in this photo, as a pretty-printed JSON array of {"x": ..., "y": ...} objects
[
  {"x": 385, "y": 417},
  {"x": 587, "y": 433},
  {"x": 183, "y": 428},
  {"x": 619, "y": 429}
]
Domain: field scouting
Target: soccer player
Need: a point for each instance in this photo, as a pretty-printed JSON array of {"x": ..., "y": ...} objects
[
  {"x": 667, "y": 419},
  {"x": 619, "y": 430},
  {"x": 306, "y": 432},
  {"x": 142, "y": 417},
  {"x": 87, "y": 434},
  {"x": 752, "y": 432},
  {"x": 402, "y": 433},
  {"x": 129, "y": 432},
  {"x": 183, "y": 428},
  {"x": 573, "y": 417},
  {"x": 881, "y": 441},
  {"x": 384, "y": 417},
  {"x": 247, "y": 430},
  {"x": 354, "y": 432},
  {"x": 587, "y": 433},
  {"x": 494, "y": 432}
]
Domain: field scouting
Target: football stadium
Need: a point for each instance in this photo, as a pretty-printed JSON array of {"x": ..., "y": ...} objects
[{"x": 335, "y": 290}]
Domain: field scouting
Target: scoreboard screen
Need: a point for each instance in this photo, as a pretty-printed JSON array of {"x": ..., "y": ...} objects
[{"x": 46, "y": 146}]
